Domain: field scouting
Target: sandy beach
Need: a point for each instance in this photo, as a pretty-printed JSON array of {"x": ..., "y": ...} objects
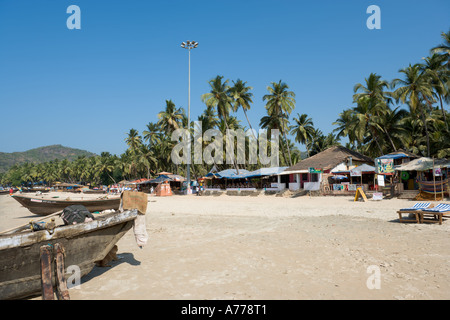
[{"x": 268, "y": 247}]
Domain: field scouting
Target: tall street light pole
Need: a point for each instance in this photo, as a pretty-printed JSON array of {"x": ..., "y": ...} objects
[{"x": 189, "y": 45}]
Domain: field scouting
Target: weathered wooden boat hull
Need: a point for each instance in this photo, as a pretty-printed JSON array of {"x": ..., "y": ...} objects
[
  {"x": 84, "y": 244},
  {"x": 45, "y": 207}
]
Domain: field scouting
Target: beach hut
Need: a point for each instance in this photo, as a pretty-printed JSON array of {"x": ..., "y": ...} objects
[
  {"x": 431, "y": 176},
  {"x": 265, "y": 178},
  {"x": 386, "y": 173},
  {"x": 316, "y": 172},
  {"x": 228, "y": 178},
  {"x": 68, "y": 187}
]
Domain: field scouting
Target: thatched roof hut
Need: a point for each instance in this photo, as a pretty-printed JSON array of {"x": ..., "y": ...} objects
[{"x": 329, "y": 159}]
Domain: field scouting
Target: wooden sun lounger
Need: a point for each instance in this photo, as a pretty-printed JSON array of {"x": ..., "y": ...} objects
[
  {"x": 437, "y": 213},
  {"x": 416, "y": 215},
  {"x": 415, "y": 210}
]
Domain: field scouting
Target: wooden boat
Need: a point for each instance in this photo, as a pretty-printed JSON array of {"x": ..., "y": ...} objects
[
  {"x": 84, "y": 243},
  {"x": 43, "y": 207},
  {"x": 92, "y": 191}
]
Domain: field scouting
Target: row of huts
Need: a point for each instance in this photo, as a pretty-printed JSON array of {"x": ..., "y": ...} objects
[
  {"x": 340, "y": 171},
  {"x": 335, "y": 171}
]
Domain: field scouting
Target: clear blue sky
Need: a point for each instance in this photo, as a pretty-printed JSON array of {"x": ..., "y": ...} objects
[{"x": 86, "y": 88}]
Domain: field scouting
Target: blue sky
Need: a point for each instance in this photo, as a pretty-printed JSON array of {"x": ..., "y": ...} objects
[{"x": 87, "y": 88}]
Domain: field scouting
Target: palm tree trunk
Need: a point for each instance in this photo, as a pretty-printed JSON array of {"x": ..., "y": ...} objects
[
  {"x": 426, "y": 127},
  {"x": 245, "y": 113},
  {"x": 110, "y": 177},
  {"x": 443, "y": 113},
  {"x": 426, "y": 131},
  {"x": 283, "y": 152},
  {"x": 376, "y": 140},
  {"x": 390, "y": 140},
  {"x": 234, "y": 158},
  {"x": 289, "y": 151}
]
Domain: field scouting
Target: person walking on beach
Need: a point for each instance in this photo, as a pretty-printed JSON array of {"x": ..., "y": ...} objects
[{"x": 11, "y": 191}]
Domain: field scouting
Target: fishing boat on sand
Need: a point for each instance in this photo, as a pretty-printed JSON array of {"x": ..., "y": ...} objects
[
  {"x": 82, "y": 245},
  {"x": 43, "y": 206}
]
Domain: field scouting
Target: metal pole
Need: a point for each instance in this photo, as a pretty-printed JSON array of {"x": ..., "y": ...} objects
[
  {"x": 434, "y": 182},
  {"x": 189, "y": 45},
  {"x": 188, "y": 190}
]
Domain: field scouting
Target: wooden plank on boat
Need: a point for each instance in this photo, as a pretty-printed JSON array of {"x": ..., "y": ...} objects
[
  {"x": 134, "y": 200},
  {"x": 46, "y": 272},
  {"x": 62, "y": 292}
]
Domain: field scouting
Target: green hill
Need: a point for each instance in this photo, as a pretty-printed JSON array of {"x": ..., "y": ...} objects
[{"x": 41, "y": 154}]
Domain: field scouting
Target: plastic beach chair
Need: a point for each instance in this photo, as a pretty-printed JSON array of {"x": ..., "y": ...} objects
[
  {"x": 437, "y": 212},
  {"x": 415, "y": 209}
]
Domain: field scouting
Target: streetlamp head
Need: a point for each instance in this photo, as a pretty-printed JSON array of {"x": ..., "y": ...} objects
[{"x": 189, "y": 44}]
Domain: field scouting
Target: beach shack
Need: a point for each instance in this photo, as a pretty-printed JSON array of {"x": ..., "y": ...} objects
[
  {"x": 230, "y": 180},
  {"x": 265, "y": 178},
  {"x": 174, "y": 180},
  {"x": 387, "y": 175},
  {"x": 68, "y": 187},
  {"x": 226, "y": 179},
  {"x": 319, "y": 171},
  {"x": 431, "y": 177}
]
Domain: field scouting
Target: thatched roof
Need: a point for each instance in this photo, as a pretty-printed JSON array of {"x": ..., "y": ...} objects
[
  {"x": 423, "y": 164},
  {"x": 330, "y": 158}
]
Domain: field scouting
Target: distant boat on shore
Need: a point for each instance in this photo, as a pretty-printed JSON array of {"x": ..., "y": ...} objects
[{"x": 43, "y": 207}]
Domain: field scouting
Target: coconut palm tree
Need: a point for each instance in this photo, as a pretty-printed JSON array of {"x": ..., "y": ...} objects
[
  {"x": 415, "y": 87},
  {"x": 242, "y": 98},
  {"x": 346, "y": 125},
  {"x": 208, "y": 118},
  {"x": 389, "y": 124},
  {"x": 365, "y": 125},
  {"x": 271, "y": 122},
  {"x": 133, "y": 140},
  {"x": 220, "y": 98},
  {"x": 105, "y": 164},
  {"x": 438, "y": 76},
  {"x": 280, "y": 103},
  {"x": 444, "y": 48},
  {"x": 146, "y": 159},
  {"x": 303, "y": 129},
  {"x": 170, "y": 119},
  {"x": 152, "y": 135},
  {"x": 374, "y": 90}
]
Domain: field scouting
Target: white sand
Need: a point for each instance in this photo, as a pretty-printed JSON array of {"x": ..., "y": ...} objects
[{"x": 267, "y": 247}]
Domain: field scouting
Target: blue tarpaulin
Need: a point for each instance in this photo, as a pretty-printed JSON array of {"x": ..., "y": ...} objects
[
  {"x": 228, "y": 174},
  {"x": 160, "y": 179},
  {"x": 265, "y": 172},
  {"x": 394, "y": 156},
  {"x": 231, "y": 173}
]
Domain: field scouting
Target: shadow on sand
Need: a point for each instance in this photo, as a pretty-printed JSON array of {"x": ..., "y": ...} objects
[{"x": 122, "y": 258}]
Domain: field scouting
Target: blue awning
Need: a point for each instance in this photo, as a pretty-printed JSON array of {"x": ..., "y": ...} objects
[
  {"x": 393, "y": 156},
  {"x": 228, "y": 174},
  {"x": 243, "y": 174},
  {"x": 160, "y": 179},
  {"x": 263, "y": 172}
]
